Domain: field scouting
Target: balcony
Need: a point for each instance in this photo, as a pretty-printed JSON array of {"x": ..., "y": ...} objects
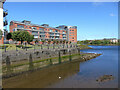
[
  {"x": 34, "y": 33},
  {"x": 21, "y": 28},
  {"x": 56, "y": 32},
  {"x": 57, "y": 35},
  {"x": 63, "y": 33},
  {"x": 52, "y": 35}
]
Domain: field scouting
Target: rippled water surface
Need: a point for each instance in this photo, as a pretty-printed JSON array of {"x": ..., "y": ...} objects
[{"x": 75, "y": 74}]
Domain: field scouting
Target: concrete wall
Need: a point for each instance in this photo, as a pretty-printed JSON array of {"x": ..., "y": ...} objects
[{"x": 38, "y": 54}]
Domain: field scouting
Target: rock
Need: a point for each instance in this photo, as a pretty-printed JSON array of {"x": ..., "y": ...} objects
[{"x": 105, "y": 78}]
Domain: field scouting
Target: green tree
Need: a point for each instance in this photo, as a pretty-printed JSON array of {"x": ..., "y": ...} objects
[
  {"x": 64, "y": 41},
  {"x": 21, "y": 36},
  {"x": 9, "y": 36},
  {"x": 30, "y": 39},
  {"x": 54, "y": 41},
  {"x": 57, "y": 42},
  {"x": 36, "y": 41},
  {"x": 43, "y": 41},
  {"x": 49, "y": 41},
  {"x": 1, "y": 33}
]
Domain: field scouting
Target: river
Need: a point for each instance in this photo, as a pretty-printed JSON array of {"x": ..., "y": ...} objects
[{"x": 73, "y": 74}]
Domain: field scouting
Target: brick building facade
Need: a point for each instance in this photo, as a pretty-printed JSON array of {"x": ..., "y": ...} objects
[{"x": 45, "y": 32}]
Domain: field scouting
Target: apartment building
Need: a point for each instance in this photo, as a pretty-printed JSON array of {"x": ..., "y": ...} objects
[{"x": 46, "y": 32}]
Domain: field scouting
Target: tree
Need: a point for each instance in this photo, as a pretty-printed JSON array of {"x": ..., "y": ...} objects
[
  {"x": 60, "y": 41},
  {"x": 57, "y": 42},
  {"x": 1, "y": 33},
  {"x": 9, "y": 36},
  {"x": 43, "y": 41},
  {"x": 54, "y": 41},
  {"x": 64, "y": 41},
  {"x": 22, "y": 36},
  {"x": 30, "y": 39},
  {"x": 49, "y": 41},
  {"x": 36, "y": 41}
]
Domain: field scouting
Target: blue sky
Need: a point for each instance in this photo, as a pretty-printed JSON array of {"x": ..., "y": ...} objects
[{"x": 95, "y": 20}]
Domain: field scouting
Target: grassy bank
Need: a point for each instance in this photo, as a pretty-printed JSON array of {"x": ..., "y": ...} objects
[{"x": 83, "y": 46}]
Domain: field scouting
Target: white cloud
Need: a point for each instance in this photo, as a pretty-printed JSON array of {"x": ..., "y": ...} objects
[{"x": 112, "y": 14}]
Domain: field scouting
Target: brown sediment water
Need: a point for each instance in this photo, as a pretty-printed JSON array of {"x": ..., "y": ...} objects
[
  {"x": 73, "y": 74},
  {"x": 44, "y": 77}
]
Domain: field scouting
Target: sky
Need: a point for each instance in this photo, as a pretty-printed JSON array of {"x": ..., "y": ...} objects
[{"x": 94, "y": 20}]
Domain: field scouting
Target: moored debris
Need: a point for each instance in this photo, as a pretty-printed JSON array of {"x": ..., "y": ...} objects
[{"x": 105, "y": 78}]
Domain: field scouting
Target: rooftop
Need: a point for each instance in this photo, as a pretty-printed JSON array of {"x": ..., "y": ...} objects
[{"x": 61, "y": 27}]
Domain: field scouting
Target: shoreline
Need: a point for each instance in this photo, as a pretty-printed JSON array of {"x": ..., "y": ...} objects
[
  {"x": 103, "y": 45},
  {"x": 21, "y": 67},
  {"x": 81, "y": 58}
]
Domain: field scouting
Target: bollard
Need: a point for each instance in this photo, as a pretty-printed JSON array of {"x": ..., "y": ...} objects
[
  {"x": 50, "y": 61},
  {"x": 8, "y": 64},
  {"x": 70, "y": 57},
  {"x": 53, "y": 47},
  {"x": 41, "y": 46},
  {"x": 16, "y": 48},
  {"x": 34, "y": 47},
  {"x": 59, "y": 58},
  {"x": 30, "y": 62},
  {"x": 5, "y": 48},
  {"x": 78, "y": 51},
  {"x": 26, "y": 48},
  {"x": 48, "y": 46}
]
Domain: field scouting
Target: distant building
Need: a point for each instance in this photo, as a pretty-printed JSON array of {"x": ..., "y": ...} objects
[
  {"x": 45, "y": 32},
  {"x": 113, "y": 40}
]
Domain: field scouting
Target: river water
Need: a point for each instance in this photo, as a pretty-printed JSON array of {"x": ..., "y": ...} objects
[{"x": 74, "y": 74}]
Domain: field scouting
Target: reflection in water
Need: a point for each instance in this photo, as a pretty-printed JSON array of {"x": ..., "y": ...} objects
[
  {"x": 44, "y": 77},
  {"x": 68, "y": 75}
]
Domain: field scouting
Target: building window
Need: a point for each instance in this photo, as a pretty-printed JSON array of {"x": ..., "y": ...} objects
[
  {"x": 20, "y": 26},
  {"x": 51, "y": 30},
  {"x": 41, "y": 29},
  {"x": 13, "y": 30},
  {"x": 34, "y": 32},
  {"x": 34, "y": 28}
]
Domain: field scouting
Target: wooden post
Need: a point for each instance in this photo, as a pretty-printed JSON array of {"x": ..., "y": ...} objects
[
  {"x": 34, "y": 47},
  {"x": 59, "y": 57},
  {"x": 41, "y": 46},
  {"x": 50, "y": 61},
  {"x": 79, "y": 51},
  {"x": 25, "y": 47},
  {"x": 70, "y": 57},
  {"x": 16, "y": 48},
  {"x": 5, "y": 48},
  {"x": 48, "y": 46},
  {"x": 53, "y": 47},
  {"x": 8, "y": 64},
  {"x": 30, "y": 62}
]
